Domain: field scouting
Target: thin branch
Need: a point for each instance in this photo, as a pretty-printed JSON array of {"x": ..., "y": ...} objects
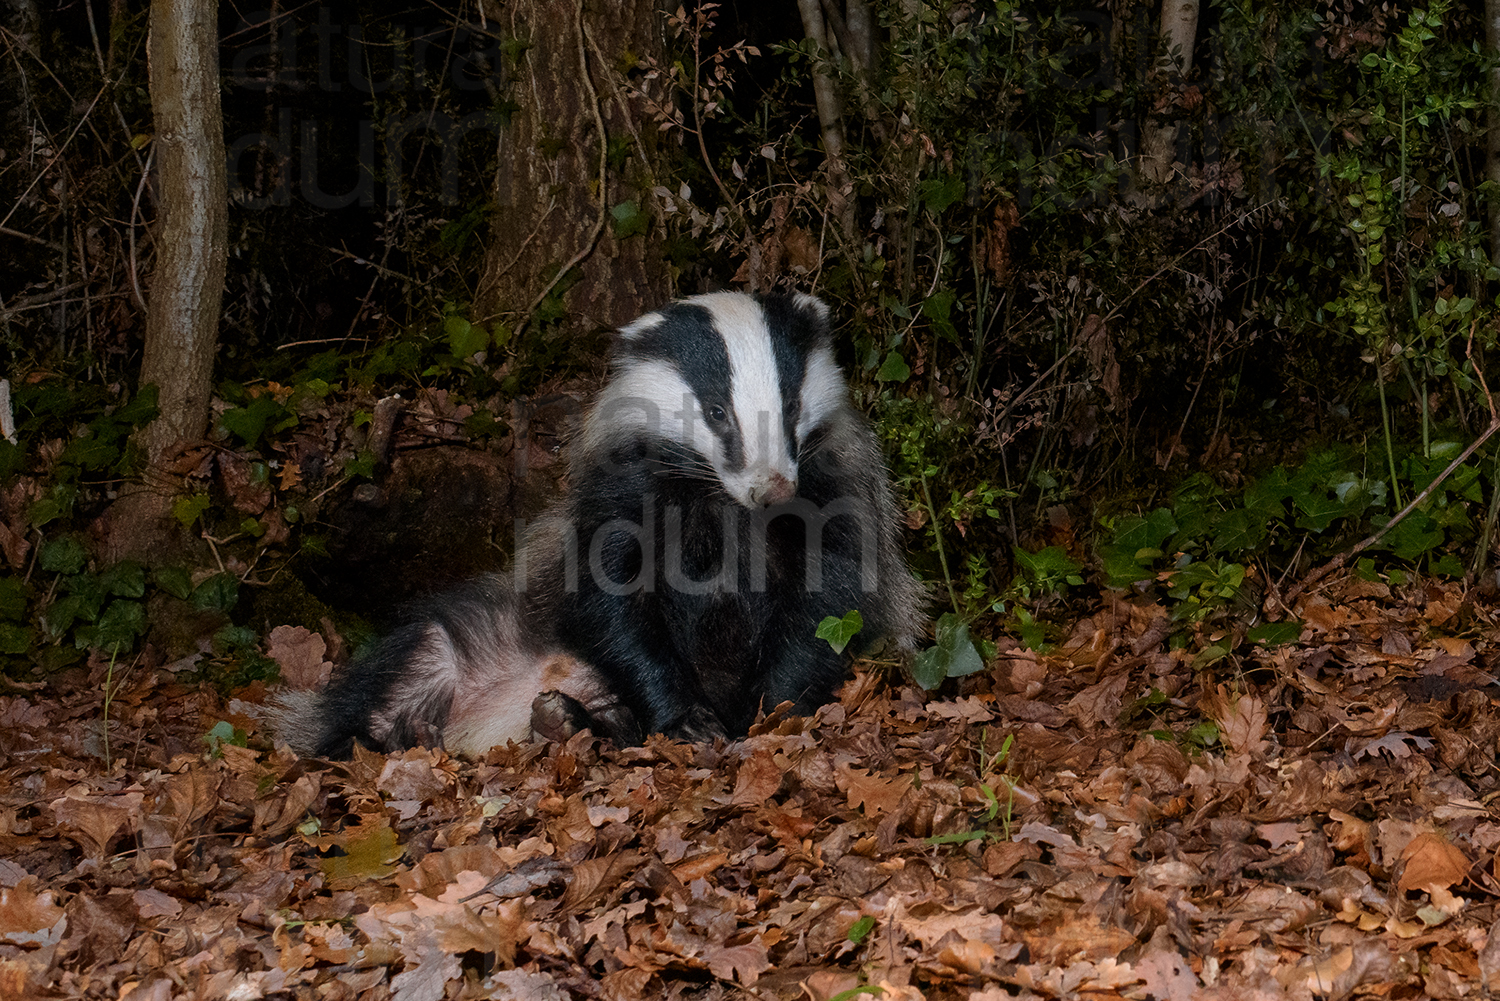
[
  {"x": 21, "y": 199},
  {"x": 135, "y": 211},
  {"x": 39, "y": 300},
  {"x": 49, "y": 244},
  {"x": 1236, "y": 221}
]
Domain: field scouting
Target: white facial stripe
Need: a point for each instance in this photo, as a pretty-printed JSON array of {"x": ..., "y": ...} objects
[
  {"x": 651, "y": 395},
  {"x": 755, "y": 387},
  {"x": 823, "y": 391}
]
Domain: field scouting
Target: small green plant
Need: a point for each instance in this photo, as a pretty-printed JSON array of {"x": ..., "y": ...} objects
[
  {"x": 111, "y": 689},
  {"x": 1044, "y": 573},
  {"x": 1197, "y": 547},
  {"x": 1145, "y": 714},
  {"x": 952, "y": 655},
  {"x": 992, "y": 781},
  {"x": 839, "y": 631},
  {"x": 221, "y": 733}
]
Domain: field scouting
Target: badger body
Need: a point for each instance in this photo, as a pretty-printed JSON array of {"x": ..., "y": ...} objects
[{"x": 725, "y": 497}]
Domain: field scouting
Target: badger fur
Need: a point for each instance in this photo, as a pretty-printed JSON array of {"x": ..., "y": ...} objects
[{"x": 725, "y": 497}]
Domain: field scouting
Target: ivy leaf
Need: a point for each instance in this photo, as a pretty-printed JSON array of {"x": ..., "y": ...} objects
[
  {"x": 126, "y": 579},
  {"x": 15, "y": 639},
  {"x": 187, "y": 509},
  {"x": 1275, "y": 633},
  {"x": 141, "y": 410},
  {"x": 838, "y": 632},
  {"x": 629, "y": 219},
  {"x": 59, "y": 616},
  {"x": 464, "y": 338},
  {"x": 1448, "y": 565},
  {"x": 895, "y": 369},
  {"x": 1149, "y": 532},
  {"x": 64, "y": 555},
  {"x": 176, "y": 581},
  {"x": 221, "y": 733},
  {"x": 249, "y": 423},
  {"x": 941, "y": 192},
  {"x": 91, "y": 452},
  {"x": 116, "y": 629},
  {"x": 1239, "y": 530},
  {"x": 952, "y": 656},
  {"x": 938, "y": 308},
  {"x": 219, "y": 592},
  {"x": 12, "y": 598},
  {"x": 1415, "y": 535}
]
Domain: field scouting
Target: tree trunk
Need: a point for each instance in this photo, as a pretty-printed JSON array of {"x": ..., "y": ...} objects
[
  {"x": 838, "y": 190},
  {"x": 568, "y": 219},
  {"x": 1179, "y": 25},
  {"x": 1492, "y": 139},
  {"x": 187, "y": 284},
  {"x": 182, "y": 325}
]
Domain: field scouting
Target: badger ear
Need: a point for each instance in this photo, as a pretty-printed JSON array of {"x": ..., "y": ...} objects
[
  {"x": 812, "y": 304},
  {"x": 636, "y": 328}
]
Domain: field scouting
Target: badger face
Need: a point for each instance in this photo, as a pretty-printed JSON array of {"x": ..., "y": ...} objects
[{"x": 737, "y": 382}]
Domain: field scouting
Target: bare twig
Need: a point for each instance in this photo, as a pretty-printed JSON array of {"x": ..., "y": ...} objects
[
  {"x": 1034, "y": 384},
  {"x": 135, "y": 211},
  {"x": 21, "y": 199},
  {"x": 321, "y": 340},
  {"x": 39, "y": 300},
  {"x": 50, "y": 245},
  {"x": 1170, "y": 265}
]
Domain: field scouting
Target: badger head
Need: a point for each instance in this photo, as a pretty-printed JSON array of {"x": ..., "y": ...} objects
[{"x": 737, "y": 383}]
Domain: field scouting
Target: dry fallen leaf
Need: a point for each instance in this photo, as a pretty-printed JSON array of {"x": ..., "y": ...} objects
[
  {"x": 883, "y": 842},
  {"x": 1431, "y": 861}
]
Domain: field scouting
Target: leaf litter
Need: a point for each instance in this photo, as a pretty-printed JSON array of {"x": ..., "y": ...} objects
[{"x": 1102, "y": 819}]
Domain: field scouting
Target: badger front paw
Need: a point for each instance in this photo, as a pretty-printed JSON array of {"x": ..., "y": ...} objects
[{"x": 555, "y": 716}]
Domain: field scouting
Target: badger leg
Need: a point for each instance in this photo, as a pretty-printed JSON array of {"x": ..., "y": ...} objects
[{"x": 576, "y": 699}]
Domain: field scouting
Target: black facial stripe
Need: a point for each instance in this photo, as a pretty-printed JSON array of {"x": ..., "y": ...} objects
[
  {"x": 791, "y": 338},
  {"x": 734, "y": 446},
  {"x": 795, "y": 332},
  {"x": 686, "y": 340}
]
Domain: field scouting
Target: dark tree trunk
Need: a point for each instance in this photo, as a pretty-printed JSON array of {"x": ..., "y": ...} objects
[
  {"x": 187, "y": 284},
  {"x": 554, "y": 214},
  {"x": 182, "y": 326}
]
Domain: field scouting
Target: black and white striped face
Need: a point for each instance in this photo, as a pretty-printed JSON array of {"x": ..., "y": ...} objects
[{"x": 739, "y": 380}]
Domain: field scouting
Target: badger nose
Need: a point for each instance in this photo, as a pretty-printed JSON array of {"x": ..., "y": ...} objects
[{"x": 774, "y": 489}]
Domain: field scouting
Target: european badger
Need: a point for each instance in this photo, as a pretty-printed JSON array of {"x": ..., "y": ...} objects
[{"x": 725, "y": 498}]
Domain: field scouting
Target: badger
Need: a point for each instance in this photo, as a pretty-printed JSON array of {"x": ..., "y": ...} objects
[{"x": 725, "y": 497}]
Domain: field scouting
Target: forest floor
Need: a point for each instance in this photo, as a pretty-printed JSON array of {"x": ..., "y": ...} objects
[{"x": 1319, "y": 819}]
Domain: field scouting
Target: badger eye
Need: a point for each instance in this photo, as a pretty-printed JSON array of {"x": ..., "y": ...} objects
[{"x": 716, "y": 415}]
